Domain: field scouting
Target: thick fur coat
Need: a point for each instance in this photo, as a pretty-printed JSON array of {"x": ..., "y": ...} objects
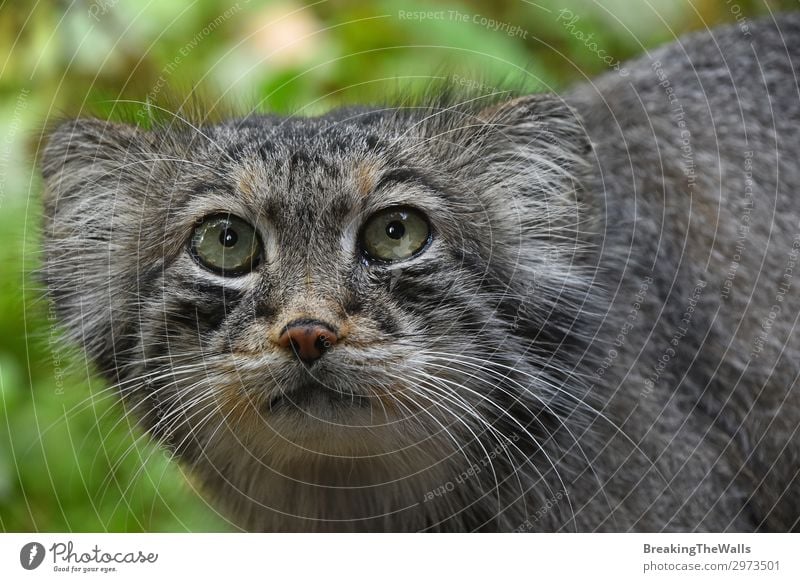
[{"x": 599, "y": 336}]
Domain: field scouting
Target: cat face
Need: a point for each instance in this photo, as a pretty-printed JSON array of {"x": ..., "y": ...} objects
[{"x": 363, "y": 283}]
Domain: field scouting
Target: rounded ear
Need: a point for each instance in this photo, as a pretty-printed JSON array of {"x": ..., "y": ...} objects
[
  {"x": 541, "y": 123},
  {"x": 533, "y": 147},
  {"x": 79, "y": 150},
  {"x": 91, "y": 169},
  {"x": 86, "y": 139}
]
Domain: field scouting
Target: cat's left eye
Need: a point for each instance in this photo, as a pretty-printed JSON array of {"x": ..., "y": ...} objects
[
  {"x": 225, "y": 244},
  {"x": 395, "y": 234}
]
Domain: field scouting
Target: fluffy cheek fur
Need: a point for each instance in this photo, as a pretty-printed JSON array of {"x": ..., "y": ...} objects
[
  {"x": 437, "y": 389},
  {"x": 387, "y": 390}
]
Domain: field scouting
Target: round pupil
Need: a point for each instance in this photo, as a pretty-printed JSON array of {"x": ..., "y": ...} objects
[
  {"x": 228, "y": 237},
  {"x": 395, "y": 229}
]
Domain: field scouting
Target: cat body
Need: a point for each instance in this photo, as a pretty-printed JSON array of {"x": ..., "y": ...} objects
[{"x": 578, "y": 317}]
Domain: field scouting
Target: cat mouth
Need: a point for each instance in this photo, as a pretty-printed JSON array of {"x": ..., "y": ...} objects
[{"x": 314, "y": 396}]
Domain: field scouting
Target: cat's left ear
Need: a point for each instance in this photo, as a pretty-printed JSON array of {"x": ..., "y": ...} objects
[
  {"x": 541, "y": 124},
  {"x": 536, "y": 138}
]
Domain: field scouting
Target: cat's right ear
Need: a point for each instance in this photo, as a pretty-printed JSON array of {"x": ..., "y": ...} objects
[
  {"x": 93, "y": 172},
  {"x": 80, "y": 151}
]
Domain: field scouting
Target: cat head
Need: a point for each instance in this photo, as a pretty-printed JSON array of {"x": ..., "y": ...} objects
[{"x": 399, "y": 281}]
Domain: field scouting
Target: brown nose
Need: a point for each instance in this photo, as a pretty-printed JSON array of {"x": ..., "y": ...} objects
[{"x": 308, "y": 339}]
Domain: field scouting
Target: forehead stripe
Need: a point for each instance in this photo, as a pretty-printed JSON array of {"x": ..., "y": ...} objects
[{"x": 404, "y": 174}]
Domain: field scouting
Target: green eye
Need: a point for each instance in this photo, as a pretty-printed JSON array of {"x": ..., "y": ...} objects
[
  {"x": 395, "y": 234},
  {"x": 225, "y": 244}
]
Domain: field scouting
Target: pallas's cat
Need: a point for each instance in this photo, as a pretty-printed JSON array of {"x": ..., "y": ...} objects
[{"x": 548, "y": 312}]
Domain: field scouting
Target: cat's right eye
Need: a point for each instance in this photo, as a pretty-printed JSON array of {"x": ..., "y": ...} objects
[{"x": 225, "y": 244}]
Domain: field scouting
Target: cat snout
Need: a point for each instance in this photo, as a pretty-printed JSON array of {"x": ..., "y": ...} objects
[{"x": 308, "y": 339}]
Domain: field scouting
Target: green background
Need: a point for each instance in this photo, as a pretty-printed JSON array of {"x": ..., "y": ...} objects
[{"x": 69, "y": 458}]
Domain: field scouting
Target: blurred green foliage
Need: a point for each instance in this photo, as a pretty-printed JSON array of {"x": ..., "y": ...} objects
[{"x": 69, "y": 458}]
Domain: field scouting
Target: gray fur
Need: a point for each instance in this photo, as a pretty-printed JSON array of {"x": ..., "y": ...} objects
[{"x": 508, "y": 378}]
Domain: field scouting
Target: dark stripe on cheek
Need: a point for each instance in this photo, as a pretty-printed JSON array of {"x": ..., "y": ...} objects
[
  {"x": 206, "y": 307},
  {"x": 215, "y": 291},
  {"x": 353, "y": 305},
  {"x": 262, "y": 310},
  {"x": 196, "y": 316},
  {"x": 386, "y": 322}
]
